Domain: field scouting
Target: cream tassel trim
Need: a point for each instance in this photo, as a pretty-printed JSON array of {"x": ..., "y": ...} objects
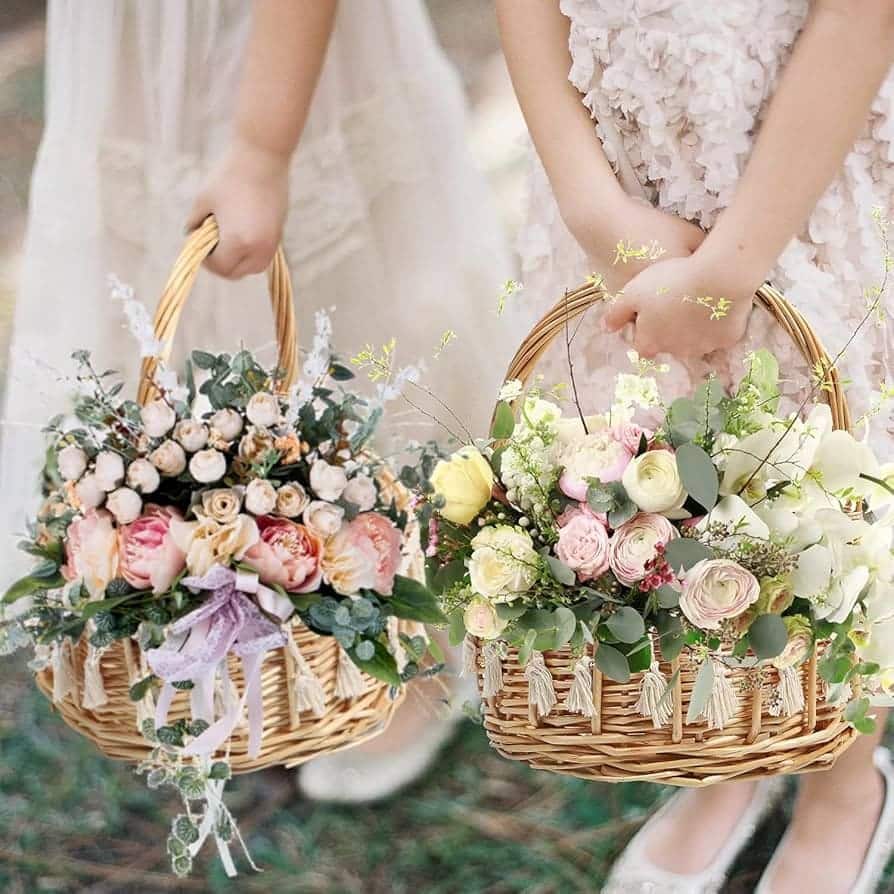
[
  {"x": 724, "y": 701},
  {"x": 396, "y": 646},
  {"x": 308, "y": 690},
  {"x": 470, "y": 656},
  {"x": 789, "y": 695},
  {"x": 580, "y": 695},
  {"x": 65, "y": 676},
  {"x": 654, "y": 700},
  {"x": 94, "y": 695},
  {"x": 348, "y": 681},
  {"x": 541, "y": 693},
  {"x": 493, "y": 669}
]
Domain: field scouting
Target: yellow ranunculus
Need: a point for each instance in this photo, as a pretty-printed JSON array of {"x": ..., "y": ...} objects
[{"x": 464, "y": 482}]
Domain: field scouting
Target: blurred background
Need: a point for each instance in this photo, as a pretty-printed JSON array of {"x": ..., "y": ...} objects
[{"x": 70, "y": 820}]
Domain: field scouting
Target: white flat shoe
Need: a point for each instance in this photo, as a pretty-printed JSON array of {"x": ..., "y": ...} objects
[
  {"x": 634, "y": 873},
  {"x": 880, "y": 847}
]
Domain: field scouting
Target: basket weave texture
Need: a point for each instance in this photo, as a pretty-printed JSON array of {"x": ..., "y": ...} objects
[
  {"x": 618, "y": 744},
  {"x": 290, "y": 737}
]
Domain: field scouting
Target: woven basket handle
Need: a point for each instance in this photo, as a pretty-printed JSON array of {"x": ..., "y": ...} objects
[
  {"x": 199, "y": 244},
  {"x": 574, "y": 303}
]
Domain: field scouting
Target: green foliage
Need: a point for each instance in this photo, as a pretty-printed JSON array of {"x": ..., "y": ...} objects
[
  {"x": 701, "y": 692},
  {"x": 612, "y": 662},
  {"x": 504, "y": 422},
  {"x": 684, "y": 552},
  {"x": 626, "y": 624},
  {"x": 698, "y": 475},
  {"x": 768, "y": 636},
  {"x": 413, "y": 601}
]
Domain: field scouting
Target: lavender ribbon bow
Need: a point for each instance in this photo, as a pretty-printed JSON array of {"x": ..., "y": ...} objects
[{"x": 227, "y": 622}]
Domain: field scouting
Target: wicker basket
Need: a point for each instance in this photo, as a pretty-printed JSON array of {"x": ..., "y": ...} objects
[
  {"x": 290, "y": 737},
  {"x": 618, "y": 744}
]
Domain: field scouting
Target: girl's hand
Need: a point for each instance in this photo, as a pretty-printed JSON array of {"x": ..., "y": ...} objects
[
  {"x": 248, "y": 192},
  {"x": 640, "y": 227},
  {"x": 687, "y": 307}
]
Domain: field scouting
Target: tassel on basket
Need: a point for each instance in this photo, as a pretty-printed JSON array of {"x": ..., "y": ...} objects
[
  {"x": 788, "y": 698},
  {"x": 656, "y": 700},
  {"x": 580, "y": 694},
  {"x": 541, "y": 692},
  {"x": 348, "y": 679}
]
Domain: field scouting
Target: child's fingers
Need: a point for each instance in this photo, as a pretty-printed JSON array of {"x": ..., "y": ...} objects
[
  {"x": 226, "y": 258},
  {"x": 619, "y": 314}
]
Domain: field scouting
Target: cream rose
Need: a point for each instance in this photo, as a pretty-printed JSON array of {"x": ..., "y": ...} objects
[
  {"x": 260, "y": 497},
  {"x": 109, "y": 470},
  {"x": 72, "y": 462},
  {"x": 633, "y": 545},
  {"x": 227, "y": 423},
  {"x": 125, "y": 504},
  {"x": 158, "y": 418},
  {"x": 464, "y": 483},
  {"x": 324, "y": 518},
  {"x": 88, "y": 492},
  {"x": 715, "y": 590},
  {"x": 361, "y": 491},
  {"x": 652, "y": 481},
  {"x": 481, "y": 619},
  {"x": 192, "y": 435},
  {"x": 291, "y": 500},
  {"x": 207, "y": 543},
  {"x": 169, "y": 459},
  {"x": 222, "y": 504},
  {"x": 504, "y": 563},
  {"x": 207, "y": 466},
  {"x": 349, "y": 562},
  {"x": 256, "y": 443},
  {"x": 143, "y": 477},
  {"x": 263, "y": 409},
  {"x": 326, "y": 481}
]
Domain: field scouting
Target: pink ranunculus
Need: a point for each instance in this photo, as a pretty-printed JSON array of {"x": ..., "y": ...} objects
[
  {"x": 596, "y": 455},
  {"x": 386, "y": 539},
  {"x": 288, "y": 554},
  {"x": 715, "y": 590},
  {"x": 91, "y": 551},
  {"x": 572, "y": 512},
  {"x": 583, "y": 546},
  {"x": 149, "y": 557},
  {"x": 629, "y": 434},
  {"x": 633, "y": 545}
]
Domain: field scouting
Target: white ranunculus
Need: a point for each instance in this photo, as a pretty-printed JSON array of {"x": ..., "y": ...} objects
[
  {"x": 109, "y": 470},
  {"x": 652, "y": 481},
  {"x": 143, "y": 477},
  {"x": 260, "y": 497},
  {"x": 323, "y": 518},
  {"x": 327, "y": 481},
  {"x": 734, "y": 512},
  {"x": 191, "y": 434},
  {"x": 72, "y": 462},
  {"x": 158, "y": 418},
  {"x": 169, "y": 459},
  {"x": 361, "y": 491},
  {"x": 207, "y": 466},
  {"x": 89, "y": 492},
  {"x": 263, "y": 409},
  {"x": 227, "y": 423},
  {"x": 503, "y": 564},
  {"x": 125, "y": 504}
]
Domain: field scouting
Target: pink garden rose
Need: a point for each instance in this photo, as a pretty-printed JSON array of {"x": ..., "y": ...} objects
[
  {"x": 149, "y": 558},
  {"x": 386, "y": 540},
  {"x": 584, "y": 547},
  {"x": 715, "y": 590},
  {"x": 572, "y": 512},
  {"x": 91, "y": 551},
  {"x": 633, "y": 545},
  {"x": 288, "y": 554},
  {"x": 629, "y": 434},
  {"x": 596, "y": 455}
]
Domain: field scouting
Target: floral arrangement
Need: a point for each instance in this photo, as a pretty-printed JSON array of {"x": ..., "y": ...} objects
[
  {"x": 202, "y": 532},
  {"x": 713, "y": 524}
]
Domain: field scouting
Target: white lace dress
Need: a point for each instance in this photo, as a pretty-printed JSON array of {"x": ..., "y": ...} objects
[
  {"x": 389, "y": 222},
  {"x": 678, "y": 89}
]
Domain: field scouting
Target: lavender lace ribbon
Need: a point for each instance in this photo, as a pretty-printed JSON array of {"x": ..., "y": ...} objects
[{"x": 227, "y": 622}]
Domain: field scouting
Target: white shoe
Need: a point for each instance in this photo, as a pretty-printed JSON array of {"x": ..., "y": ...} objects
[
  {"x": 634, "y": 873},
  {"x": 880, "y": 847}
]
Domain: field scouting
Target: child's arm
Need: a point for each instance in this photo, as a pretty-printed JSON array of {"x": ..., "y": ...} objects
[
  {"x": 592, "y": 203},
  {"x": 248, "y": 188},
  {"x": 817, "y": 113}
]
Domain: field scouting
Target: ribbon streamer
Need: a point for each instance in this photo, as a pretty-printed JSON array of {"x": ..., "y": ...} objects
[{"x": 228, "y": 621}]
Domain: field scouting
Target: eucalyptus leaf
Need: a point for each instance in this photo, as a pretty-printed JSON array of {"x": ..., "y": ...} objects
[
  {"x": 626, "y": 624},
  {"x": 701, "y": 692},
  {"x": 612, "y": 663},
  {"x": 524, "y": 651},
  {"x": 640, "y": 656},
  {"x": 504, "y": 422},
  {"x": 621, "y": 512},
  {"x": 684, "y": 552},
  {"x": 413, "y": 601},
  {"x": 768, "y": 636},
  {"x": 561, "y": 572},
  {"x": 668, "y": 596},
  {"x": 456, "y": 632},
  {"x": 698, "y": 474},
  {"x": 566, "y": 624}
]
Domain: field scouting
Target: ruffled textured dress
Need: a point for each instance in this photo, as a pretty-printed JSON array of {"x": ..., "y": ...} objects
[
  {"x": 389, "y": 222},
  {"x": 677, "y": 90}
]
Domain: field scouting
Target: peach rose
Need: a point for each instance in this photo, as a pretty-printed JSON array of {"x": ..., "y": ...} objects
[
  {"x": 149, "y": 557},
  {"x": 350, "y": 562},
  {"x": 288, "y": 554},
  {"x": 386, "y": 539},
  {"x": 91, "y": 551}
]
